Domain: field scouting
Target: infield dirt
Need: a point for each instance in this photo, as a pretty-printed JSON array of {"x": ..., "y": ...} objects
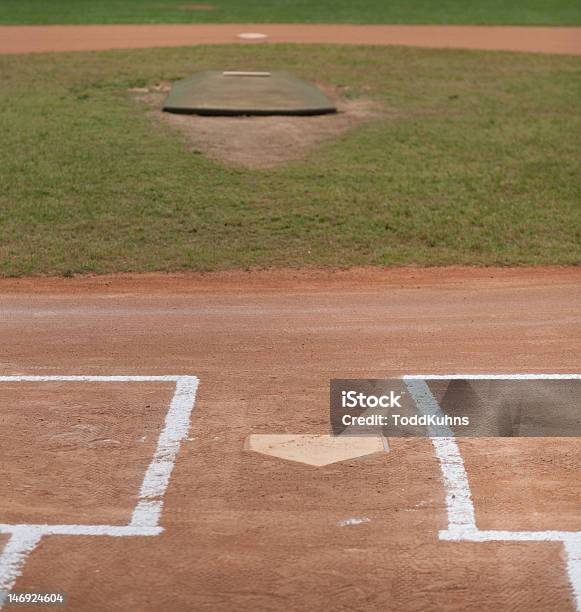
[
  {"x": 43, "y": 39},
  {"x": 251, "y": 532}
]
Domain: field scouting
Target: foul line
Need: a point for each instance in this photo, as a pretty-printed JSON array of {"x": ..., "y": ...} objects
[
  {"x": 145, "y": 518},
  {"x": 459, "y": 503}
]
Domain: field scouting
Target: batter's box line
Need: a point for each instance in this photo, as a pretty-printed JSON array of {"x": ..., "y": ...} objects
[
  {"x": 24, "y": 538},
  {"x": 459, "y": 503}
]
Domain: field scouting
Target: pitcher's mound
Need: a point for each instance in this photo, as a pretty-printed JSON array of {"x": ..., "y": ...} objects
[
  {"x": 215, "y": 92},
  {"x": 260, "y": 141}
]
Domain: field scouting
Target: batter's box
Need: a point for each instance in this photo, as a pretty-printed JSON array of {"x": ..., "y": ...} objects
[
  {"x": 92, "y": 437},
  {"x": 462, "y": 525}
]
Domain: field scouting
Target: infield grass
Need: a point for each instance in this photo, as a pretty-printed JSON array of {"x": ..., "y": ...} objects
[
  {"x": 500, "y": 12},
  {"x": 477, "y": 161}
]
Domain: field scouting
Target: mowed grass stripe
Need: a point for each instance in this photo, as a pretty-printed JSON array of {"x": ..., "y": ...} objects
[{"x": 491, "y": 12}]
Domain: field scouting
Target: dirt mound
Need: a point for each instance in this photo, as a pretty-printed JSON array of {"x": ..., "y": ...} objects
[{"x": 260, "y": 142}]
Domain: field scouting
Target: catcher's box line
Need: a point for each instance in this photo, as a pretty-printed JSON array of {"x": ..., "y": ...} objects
[
  {"x": 145, "y": 518},
  {"x": 459, "y": 503},
  {"x": 492, "y": 377}
]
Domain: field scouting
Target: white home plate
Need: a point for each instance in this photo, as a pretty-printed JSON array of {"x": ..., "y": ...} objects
[
  {"x": 316, "y": 450},
  {"x": 252, "y": 36}
]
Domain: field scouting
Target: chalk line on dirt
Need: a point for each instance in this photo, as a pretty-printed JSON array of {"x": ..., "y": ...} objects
[
  {"x": 459, "y": 504},
  {"x": 156, "y": 479},
  {"x": 22, "y": 542},
  {"x": 492, "y": 377},
  {"x": 93, "y": 378},
  {"x": 573, "y": 549}
]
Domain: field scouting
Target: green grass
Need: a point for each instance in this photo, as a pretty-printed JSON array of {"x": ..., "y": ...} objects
[
  {"x": 517, "y": 12},
  {"x": 476, "y": 162}
]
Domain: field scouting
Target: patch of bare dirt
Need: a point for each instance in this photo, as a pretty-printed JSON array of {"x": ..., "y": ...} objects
[{"x": 260, "y": 142}]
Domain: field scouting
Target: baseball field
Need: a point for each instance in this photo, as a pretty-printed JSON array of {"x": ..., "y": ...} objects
[{"x": 178, "y": 291}]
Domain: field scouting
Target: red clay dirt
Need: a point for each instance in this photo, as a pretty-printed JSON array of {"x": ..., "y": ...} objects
[
  {"x": 43, "y": 39},
  {"x": 249, "y": 532}
]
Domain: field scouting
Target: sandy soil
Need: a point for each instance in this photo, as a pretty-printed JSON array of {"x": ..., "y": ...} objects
[
  {"x": 42, "y": 39},
  {"x": 249, "y": 532}
]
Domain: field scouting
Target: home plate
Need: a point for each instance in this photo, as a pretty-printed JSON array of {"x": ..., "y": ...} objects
[{"x": 316, "y": 449}]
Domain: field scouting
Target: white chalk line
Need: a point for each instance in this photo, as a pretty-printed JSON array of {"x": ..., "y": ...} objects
[
  {"x": 81, "y": 378},
  {"x": 83, "y": 530},
  {"x": 458, "y": 496},
  {"x": 145, "y": 518},
  {"x": 497, "y": 535},
  {"x": 156, "y": 479},
  {"x": 492, "y": 377},
  {"x": 459, "y": 503},
  {"x": 573, "y": 550},
  {"x": 22, "y": 542}
]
